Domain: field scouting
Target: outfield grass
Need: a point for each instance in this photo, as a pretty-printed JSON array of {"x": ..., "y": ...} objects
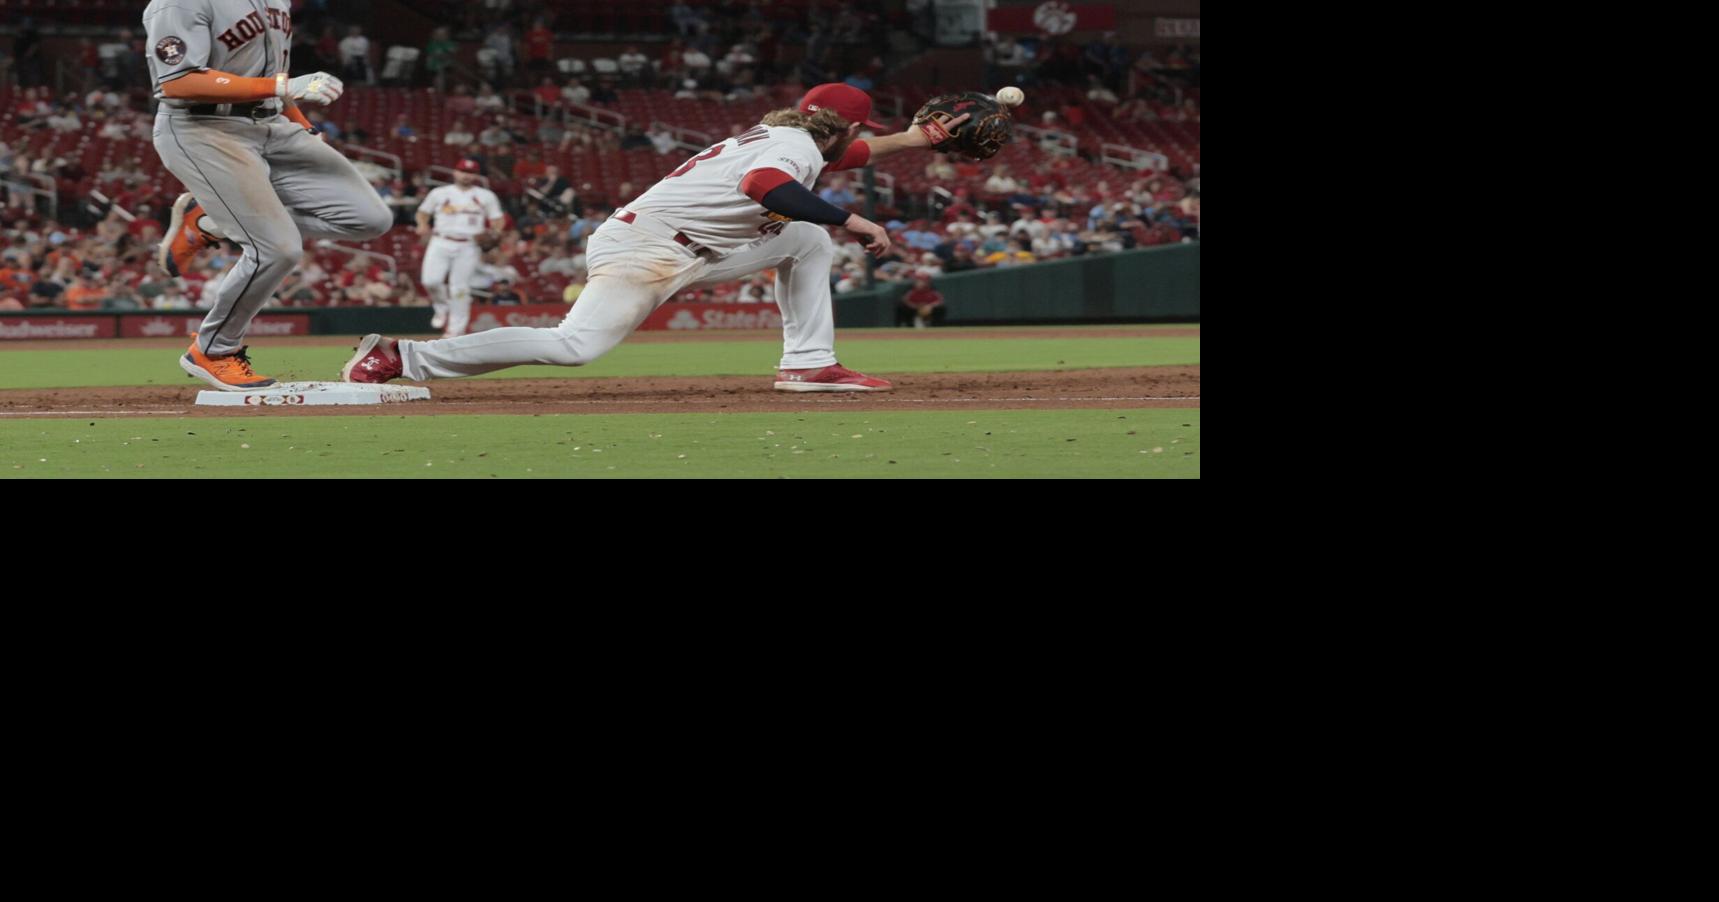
[
  {"x": 979, "y": 444},
  {"x": 73, "y": 368}
]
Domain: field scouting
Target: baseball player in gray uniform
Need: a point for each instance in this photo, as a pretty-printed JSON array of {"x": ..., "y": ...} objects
[{"x": 257, "y": 175}]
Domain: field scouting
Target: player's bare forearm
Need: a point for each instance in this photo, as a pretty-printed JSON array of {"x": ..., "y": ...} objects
[
  {"x": 215, "y": 86},
  {"x": 912, "y": 139}
]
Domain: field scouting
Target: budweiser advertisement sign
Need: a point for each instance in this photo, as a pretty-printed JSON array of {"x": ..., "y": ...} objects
[
  {"x": 668, "y": 317},
  {"x": 27, "y": 328},
  {"x": 1052, "y": 18},
  {"x": 163, "y": 325}
]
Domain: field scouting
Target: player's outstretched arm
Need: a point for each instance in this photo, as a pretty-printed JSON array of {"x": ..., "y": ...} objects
[{"x": 915, "y": 138}]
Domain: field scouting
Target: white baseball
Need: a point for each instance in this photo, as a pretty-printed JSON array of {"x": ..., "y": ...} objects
[{"x": 1011, "y": 96}]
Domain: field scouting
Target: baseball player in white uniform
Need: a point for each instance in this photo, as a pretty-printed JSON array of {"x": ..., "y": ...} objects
[
  {"x": 460, "y": 211},
  {"x": 255, "y": 173},
  {"x": 744, "y": 205}
]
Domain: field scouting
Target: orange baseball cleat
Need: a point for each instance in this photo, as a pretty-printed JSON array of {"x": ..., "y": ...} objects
[
  {"x": 231, "y": 372},
  {"x": 184, "y": 239}
]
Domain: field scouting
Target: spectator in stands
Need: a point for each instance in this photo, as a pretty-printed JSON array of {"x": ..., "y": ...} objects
[
  {"x": 688, "y": 90},
  {"x": 575, "y": 92},
  {"x": 403, "y": 129},
  {"x": 505, "y": 295},
  {"x": 172, "y": 297},
  {"x": 553, "y": 193},
  {"x": 605, "y": 93},
  {"x": 1001, "y": 183},
  {"x": 919, "y": 236},
  {"x": 488, "y": 101},
  {"x": 636, "y": 138},
  {"x": 663, "y": 140},
  {"x": 695, "y": 61},
  {"x": 84, "y": 294},
  {"x": 921, "y": 305},
  {"x": 837, "y": 193},
  {"x": 355, "y": 55},
  {"x": 461, "y": 102},
  {"x": 500, "y": 40},
  {"x": 539, "y": 47},
  {"x": 1012, "y": 254},
  {"x": 548, "y": 93},
  {"x": 757, "y": 290},
  {"x": 633, "y": 64},
  {"x": 439, "y": 55},
  {"x": 458, "y": 135},
  {"x": 495, "y": 136}
]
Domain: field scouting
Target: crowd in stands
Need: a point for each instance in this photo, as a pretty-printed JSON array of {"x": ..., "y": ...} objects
[{"x": 1040, "y": 206}]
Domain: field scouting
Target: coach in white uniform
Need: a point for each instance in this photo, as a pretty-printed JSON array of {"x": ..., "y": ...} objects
[
  {"x": 460, "y": 211},
  {"x": 742, "y": 206}
]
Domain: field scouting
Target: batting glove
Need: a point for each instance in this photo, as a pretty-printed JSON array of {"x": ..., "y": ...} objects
[{"x": 317, "y": 87}]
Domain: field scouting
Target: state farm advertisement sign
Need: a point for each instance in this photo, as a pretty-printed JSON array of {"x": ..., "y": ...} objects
[
  {"x": 713, "y": 317},
  {"x": 26, "y": 328},
  {"x": 163, "y": 325},
  {"x": 675, "y": 317}
]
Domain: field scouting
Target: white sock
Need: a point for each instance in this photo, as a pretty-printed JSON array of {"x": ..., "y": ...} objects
[{"x": 207, "y": 226}]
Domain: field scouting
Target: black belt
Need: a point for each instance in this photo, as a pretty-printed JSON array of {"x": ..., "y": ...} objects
[{"x": 255, "y": 110}]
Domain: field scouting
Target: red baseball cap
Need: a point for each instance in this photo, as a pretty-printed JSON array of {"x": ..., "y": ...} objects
[
  {"x": 469, "y": 166},
  {"x": 848, "y": 101}
]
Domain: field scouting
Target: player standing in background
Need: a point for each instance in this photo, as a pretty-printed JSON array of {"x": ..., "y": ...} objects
[
  {"x": 229, "y": 128},
  {"x": 742, "y": 206},
  {"x": 460, "y": 211}
]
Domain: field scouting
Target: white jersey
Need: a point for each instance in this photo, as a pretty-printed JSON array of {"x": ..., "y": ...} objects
[
  {"x": 461, "y": 212},
  {"x": 702, "y": 199}
]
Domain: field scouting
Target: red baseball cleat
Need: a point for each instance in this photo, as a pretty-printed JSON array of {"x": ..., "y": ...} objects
[
  {"x": 184, "y": 239},
  {"x": 834, "y": 377},
  {"x": 377, "y": 360}
]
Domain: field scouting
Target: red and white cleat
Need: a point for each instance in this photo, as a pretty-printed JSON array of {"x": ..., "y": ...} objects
[
  {"x": 834, "y": 377},
  {"x": 377, "y": 361}
]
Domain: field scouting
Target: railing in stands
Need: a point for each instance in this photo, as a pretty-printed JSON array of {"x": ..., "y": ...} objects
[
  {"x": 433, "y": 176},
  {"x": 886, "y": 188},
  {"x": 599, "y": 117},
  {"x": 371, "y": 155},
  {"x": 42, "y": 188},
  {"x": 387, "y": 260},
  {"x": 936, "y": 194},
  {"x": 890, "y": 103},
  {"x": 1052, "y": 140},
  {"x": 1132, "y": 157},
  {"x": 685, "y": 138}
]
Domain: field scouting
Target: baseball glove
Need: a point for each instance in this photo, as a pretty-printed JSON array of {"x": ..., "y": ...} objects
[
  {"x": 487, "y": 241},
  {"x": 980, "y": 137}
]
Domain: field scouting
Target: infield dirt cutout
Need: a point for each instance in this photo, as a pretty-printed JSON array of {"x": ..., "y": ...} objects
[{"x": 1158, "y": 386}]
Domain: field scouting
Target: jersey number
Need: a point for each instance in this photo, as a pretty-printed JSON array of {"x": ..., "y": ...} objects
[{"x": 695, "y": 161}]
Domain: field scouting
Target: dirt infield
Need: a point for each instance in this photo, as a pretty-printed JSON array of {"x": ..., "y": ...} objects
[
  {"x": 1162, "y": 386},
  {"x": 665, "y": 337}
]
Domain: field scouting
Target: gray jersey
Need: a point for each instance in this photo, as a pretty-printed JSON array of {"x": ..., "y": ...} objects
[{"x": 252, "y": 38}]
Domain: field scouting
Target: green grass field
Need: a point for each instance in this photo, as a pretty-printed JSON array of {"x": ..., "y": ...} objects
[
  {"x": 933, "y": 443},
  {"x": 990, "y": 443}
]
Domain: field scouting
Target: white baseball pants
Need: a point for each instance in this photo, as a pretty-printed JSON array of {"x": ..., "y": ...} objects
[
  {"x": 633, "y": 272},
  {"x": 447, "y": 276}
]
